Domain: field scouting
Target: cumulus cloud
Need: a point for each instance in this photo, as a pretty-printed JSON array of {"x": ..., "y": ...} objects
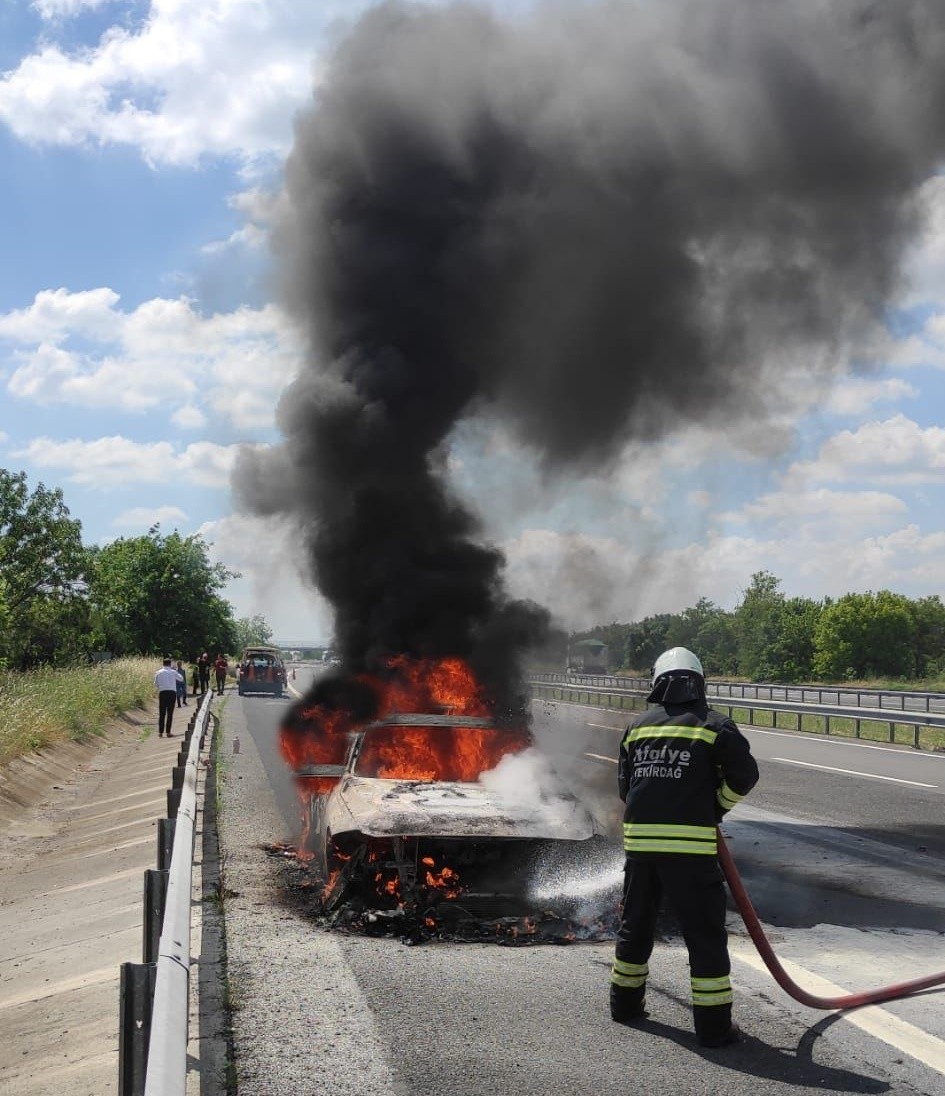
[
  {"x": 143, "y": 517},
  {"x": 83, "y": 350},
  {"x": 118, "y": 461},
  {"x": 51, "y": 10},
  {"x": 859, "y": 394},
  {"x": 894, "y": 451},
  {"x": 189, "y": 417},
  {"x": 822, "y": 508},
  {"x": 222, "y": 77}
]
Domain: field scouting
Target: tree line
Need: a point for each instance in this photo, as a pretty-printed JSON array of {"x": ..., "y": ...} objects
[
  {"x": 772, "y": 637},
  {"x": 62, "y": 601}
]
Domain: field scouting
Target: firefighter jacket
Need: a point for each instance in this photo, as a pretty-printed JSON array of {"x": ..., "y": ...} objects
[{"x": 681, "y": 767}]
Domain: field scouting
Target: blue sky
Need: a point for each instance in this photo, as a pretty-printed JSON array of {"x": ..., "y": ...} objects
[{"x": 140, "y": 346}]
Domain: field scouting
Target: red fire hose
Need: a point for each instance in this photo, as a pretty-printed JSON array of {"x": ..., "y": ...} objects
[{"x": 756, "y": 932}]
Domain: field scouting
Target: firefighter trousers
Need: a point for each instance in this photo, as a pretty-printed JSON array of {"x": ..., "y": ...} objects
[{"x": 694, "y": 890}]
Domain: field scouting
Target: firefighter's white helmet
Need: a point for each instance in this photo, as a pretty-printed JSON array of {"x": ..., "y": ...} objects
[{"x": 677, "y": 658}]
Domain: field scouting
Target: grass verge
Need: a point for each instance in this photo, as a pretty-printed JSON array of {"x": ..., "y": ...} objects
[{"x": 47, "y": 706}]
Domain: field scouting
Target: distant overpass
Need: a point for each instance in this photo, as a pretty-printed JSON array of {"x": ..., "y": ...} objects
[{"x": 300, "y": 644}]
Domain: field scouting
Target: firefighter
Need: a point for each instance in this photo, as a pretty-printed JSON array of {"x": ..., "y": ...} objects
[{"x": 682, "y": 766}]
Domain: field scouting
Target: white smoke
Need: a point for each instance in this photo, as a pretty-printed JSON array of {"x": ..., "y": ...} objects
[{"x": 526, "y": 779}]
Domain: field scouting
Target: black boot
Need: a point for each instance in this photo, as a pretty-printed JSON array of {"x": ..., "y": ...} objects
[
  {"x": 626, "y": 1005},
  {"x": 714, "y": 1027}
]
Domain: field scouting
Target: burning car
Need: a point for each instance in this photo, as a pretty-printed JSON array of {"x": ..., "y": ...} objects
[{"x": 430, "y": 807}]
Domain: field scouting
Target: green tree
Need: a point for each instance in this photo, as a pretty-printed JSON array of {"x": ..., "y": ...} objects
[
  {"x": 252, "y": 630},
  {"x": 757, "y": 620},
  {"x": 791, "y": 655},
  {"x": 646, "y": 641},
  {"x": 43, "y": 612},
  {"x": 160, "y": 595},
  {"x": 708, "y": 631},
  {"x": 865, "y": 635},
  {"x": 928, "y": 644}
]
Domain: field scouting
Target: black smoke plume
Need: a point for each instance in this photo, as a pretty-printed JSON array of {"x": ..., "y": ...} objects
[{"x": 596, "y": 222}]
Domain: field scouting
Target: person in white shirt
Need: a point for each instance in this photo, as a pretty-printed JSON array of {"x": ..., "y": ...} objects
[{"x": 165, "y": 681}]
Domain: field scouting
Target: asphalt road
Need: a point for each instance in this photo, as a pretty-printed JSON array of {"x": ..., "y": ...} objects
[{"x": 841, "y": 848}]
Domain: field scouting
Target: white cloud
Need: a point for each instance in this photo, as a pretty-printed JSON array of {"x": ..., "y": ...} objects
[
  {"x": 51, "y": 10},
  {"x": 189, "y": 417},
  {"x": 117, "y": 461},
  {"x": 856, "y": 396},
  {"x": 143, "y": 517},
  {"x": 832, "y": 511},
  {"x": 220, "y": 77},
  {"x": 84, "y": 351},
  {"x": 895, "y": 451}
]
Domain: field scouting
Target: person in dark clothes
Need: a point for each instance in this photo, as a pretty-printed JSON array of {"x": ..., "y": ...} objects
[
  {"x": 181, "y": 685},
  {"x": 203, "y": 665},
  {"x": 682, "y": 766},
  {"x": 220, "y": 666}
]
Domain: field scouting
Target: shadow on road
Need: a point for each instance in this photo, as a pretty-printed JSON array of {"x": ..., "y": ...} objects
[{"x": 756, "y": 1058}]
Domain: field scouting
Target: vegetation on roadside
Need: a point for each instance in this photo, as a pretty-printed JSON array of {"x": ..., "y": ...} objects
[
  {"x": 63, "y": 603},
  {"x": 49, "y": 705},
  {"x": 883, "y": 638}
]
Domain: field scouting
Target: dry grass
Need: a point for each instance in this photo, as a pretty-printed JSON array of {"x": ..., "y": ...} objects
[{"x": 47, "y": 706}]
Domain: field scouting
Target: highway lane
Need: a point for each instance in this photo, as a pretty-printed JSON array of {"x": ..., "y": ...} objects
[{"x": 319, "y": 1012}]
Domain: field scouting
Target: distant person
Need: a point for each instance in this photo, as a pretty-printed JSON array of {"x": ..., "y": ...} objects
[
  {"x": 181, "y": 685},
  {"x": 165, "y": 681},
  {"x": 195, "y": 678},
  {"x": 682, "y": 766},
  {"x": 219, "y": 668},
  {"x": 203, "y": 664}
]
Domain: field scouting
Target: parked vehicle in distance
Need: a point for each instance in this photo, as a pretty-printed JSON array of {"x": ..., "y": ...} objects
[{"x": 261, "y": 670}]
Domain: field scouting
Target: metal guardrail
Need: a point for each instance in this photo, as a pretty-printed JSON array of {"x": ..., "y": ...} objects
[
  {"x": 893, "y": 700},
  {"x": 155, "y": 994},
  {"x": 599, "y": 687}
]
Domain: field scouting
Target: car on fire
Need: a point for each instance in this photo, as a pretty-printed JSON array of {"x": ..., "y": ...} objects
[
  {"x": 261, "y": 670},
  {"x": 409, "y": 817}
]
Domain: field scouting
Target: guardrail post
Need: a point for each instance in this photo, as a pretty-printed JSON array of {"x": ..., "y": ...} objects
[
  {"x": 173, "y": 801},
  {"x": 155, "y": 898},
  {"x": 134, "y": 1026},
  {"x": 165, "y": 842}
]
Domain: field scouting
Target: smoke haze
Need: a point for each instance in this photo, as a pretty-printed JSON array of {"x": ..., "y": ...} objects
[{"x": 596, "y": 223}]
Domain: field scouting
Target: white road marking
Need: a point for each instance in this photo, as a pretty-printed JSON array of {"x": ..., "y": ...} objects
[
  {"x": 598, "y": 757},
  {"x": 603, "y": 726},
  {"x": 856, "y": 744},
  {"x": 852, "y": 772},
  {"x": 875, "y": 1021}
]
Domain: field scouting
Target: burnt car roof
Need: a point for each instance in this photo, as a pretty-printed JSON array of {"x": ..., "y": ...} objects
[{"x": 426, "y": 719}]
